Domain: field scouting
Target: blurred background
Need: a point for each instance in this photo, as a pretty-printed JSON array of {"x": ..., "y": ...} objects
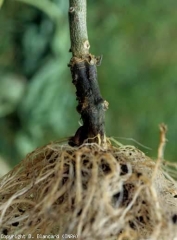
[{"x": 138, "y": 75}]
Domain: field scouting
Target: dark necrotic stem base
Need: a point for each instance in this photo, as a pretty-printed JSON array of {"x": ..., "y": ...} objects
[{"x": 91, "y": 105}]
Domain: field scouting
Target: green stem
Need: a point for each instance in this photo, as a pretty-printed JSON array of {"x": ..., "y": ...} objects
[{"x": 78, "y": 28}]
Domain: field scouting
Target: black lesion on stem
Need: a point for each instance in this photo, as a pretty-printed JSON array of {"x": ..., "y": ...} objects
[{"x": 91, "y": 105}]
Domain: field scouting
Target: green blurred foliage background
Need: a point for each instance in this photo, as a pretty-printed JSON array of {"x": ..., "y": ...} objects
[{"x": 138, "y": 41}]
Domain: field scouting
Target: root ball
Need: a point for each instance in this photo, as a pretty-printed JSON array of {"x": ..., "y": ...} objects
[{"x": 96, "y": 194}]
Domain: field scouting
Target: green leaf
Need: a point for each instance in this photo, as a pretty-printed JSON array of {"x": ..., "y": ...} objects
[
  {"x": 48, "y": 7},
  {"x": 1, "y": 2}
]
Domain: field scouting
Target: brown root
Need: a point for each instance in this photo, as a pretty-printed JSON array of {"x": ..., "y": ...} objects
[{"x": 91, "y": 192}]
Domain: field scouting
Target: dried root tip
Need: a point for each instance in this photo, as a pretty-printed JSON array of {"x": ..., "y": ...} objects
[{"x": 163, "y": 130}]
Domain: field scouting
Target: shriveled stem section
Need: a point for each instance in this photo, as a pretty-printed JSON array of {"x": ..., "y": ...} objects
[{"x": 83, "y": 65}]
